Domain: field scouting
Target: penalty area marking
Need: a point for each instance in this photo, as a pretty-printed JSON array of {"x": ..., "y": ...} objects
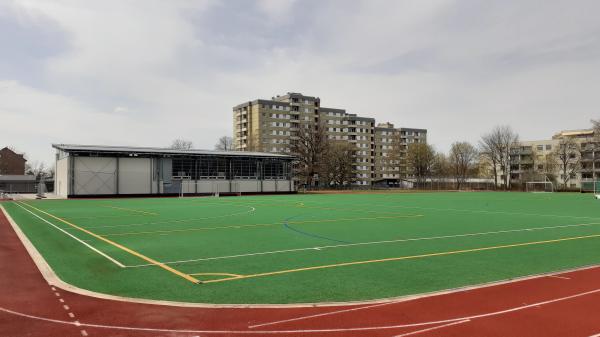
[
  {"x": 318, "y": 248},
  {"x": 265, "y": 332}
]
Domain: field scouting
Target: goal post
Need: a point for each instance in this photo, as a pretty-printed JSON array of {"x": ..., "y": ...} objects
[
  {"x": 183, "y": 184},
  {"x": 539, "y": 186}
]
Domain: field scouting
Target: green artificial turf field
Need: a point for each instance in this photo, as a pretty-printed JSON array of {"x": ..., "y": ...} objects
[{"x": 309, "y": 248}]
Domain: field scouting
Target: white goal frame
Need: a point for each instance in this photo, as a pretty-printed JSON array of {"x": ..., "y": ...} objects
[
  {"x": 595, "y": 186},
  {"x": 545, "y": 183},
  {"x": 181, "y": 180}
]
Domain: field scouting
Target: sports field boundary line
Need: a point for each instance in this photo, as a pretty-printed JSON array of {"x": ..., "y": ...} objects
[
  {"x": 120, "y": 246},
  {"x": 532, "y": 229},
  {"x": 275, "y": 332},
  {"x": 52, "y": 279},
  {"x": 96, "y": 250},
  {"x": 401, "y": 258}
]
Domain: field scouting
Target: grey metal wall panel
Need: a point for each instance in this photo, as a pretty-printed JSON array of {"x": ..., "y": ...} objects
[
  {"x": 135, "y": 176},
  {"x": 94, "y": 175}
]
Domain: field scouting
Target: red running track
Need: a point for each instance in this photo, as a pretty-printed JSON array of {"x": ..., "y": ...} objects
[{"x": 566, "y": 304}]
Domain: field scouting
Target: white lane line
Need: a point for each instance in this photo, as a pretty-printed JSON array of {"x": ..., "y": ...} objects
[
  {"x": 560, "y": 277},
  {"x": 598, "y": 335},
  {"x": 84, "y": 333},
  {"x": 66, "y": 307},
  {"x": 265, "y": 332},
  {"x": 320, "y": 315},
  {"x": 368, "y": 243},
  {"x": 525, "y": 306},
  {"x": 72, "y": 315},
  {"x": 76, "y": 238},
  {"x": 61, "y": 300},
  {"x": 434, "y": 328},
  {"x": 56, "y": 294}
]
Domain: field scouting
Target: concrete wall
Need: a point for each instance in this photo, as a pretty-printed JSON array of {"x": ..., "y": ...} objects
[
  {"x": 94, "y": 175},
  {"x": 61, "y": 178},
  {"x": 135, "y": 176}
]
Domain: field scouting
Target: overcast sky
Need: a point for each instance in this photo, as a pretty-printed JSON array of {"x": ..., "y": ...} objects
[{"x": 145, "y": 72}]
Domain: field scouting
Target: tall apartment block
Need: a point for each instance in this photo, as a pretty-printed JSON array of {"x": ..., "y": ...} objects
[{"x": 270, "y": 126}]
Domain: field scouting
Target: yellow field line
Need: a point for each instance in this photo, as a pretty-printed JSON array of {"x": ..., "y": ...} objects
[
  {"x": 128, "y": 250},
  {"x": 131, "y": 210},
  {"x": 345, "y": 264},
  {"x": 217, "y": 274},
  {"x": 260, "y": 225}
]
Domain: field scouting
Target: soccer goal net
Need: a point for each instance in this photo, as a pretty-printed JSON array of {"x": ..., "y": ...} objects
[
  {"x": 539, "y": 186},
  {"x": 184, "y": 184},
  {"x": 590, "y": 186}
]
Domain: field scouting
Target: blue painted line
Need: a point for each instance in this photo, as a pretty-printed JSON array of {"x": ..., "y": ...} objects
[{"x": 287, "y": 225}]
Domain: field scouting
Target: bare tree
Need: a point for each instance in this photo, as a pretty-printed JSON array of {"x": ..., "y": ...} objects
[
  {"x": 462, "y": 161},
  {"x": 489, "y": 152},
  {"x": 495, "y": 147},
  {"x": 337, "y": 169},
  {"x": 567, "y": 155},
  {"x": 309, "y": 149},
  {"x": 181, "y": 144},
  {"x": 596, "y": 127},
  {"x": 39, "y": 170},
  {"x": 440, "y": 168},
  {"x": 225, "y": 144},
  {"x": 420, "y": 159}
]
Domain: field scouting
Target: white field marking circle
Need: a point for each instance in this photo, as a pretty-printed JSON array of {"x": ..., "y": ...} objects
[
  {"x": 111, "y": 259},
  {"x": 458, "y": 319},
  {"x": 366, "y": 243},
  {"x": 250, "y": 210}
]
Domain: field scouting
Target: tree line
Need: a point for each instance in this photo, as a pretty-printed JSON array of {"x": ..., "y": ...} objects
[{"x": 498, "y": 155}]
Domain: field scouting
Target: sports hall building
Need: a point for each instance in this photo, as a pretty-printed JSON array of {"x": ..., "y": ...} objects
[{"x": 95, "y": 171}]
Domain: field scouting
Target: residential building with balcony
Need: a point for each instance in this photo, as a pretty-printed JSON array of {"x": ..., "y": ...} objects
[{"x": 271, "y": 125}]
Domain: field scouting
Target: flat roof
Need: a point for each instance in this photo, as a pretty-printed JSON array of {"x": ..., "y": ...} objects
[
  {"x": 14, "y": 177},
  {"x": 159, "y": 150}
]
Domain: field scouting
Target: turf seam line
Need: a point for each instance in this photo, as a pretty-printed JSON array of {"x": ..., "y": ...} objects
[
  {"x": 345, "y": 264},
  {"x": 368, "y": 243},
  {"x": 111, "y": 259},
  {"x": 128, "y": 250}
]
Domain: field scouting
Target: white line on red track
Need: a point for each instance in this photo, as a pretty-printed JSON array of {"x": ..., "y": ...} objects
[
  {"x": 264, "y": 332},
  {"x": 524, "y": 306},
  {"x": 560, "y": 277},
  {"x": 434, "y": 328}
]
